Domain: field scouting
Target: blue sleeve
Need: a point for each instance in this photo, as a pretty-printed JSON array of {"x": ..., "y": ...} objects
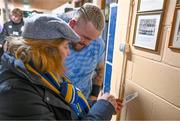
[{"x": 102, "y": 110}]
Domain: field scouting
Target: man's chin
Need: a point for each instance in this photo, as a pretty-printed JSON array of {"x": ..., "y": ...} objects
[
  {"x": 78, "y": 48},
  {"x": 16, "y": 22}
]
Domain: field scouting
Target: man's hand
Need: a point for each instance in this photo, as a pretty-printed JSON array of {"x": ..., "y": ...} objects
[
  {"x": 97, "y": 81},
  {"x": 119, "y": 106}
]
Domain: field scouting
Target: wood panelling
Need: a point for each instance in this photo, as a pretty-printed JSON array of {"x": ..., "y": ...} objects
[
  {"x": 141, "y": 107},
  {"x": 149, "y": 106},
  {"x": 162, "y": 110},
  {"x": 161, "y": 79}
]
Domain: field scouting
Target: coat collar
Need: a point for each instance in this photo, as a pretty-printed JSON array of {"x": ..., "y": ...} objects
[{"x": 9, "y": 62}]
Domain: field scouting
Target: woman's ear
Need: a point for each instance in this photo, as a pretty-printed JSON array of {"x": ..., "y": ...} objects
[{"x": 72, "y": 23}]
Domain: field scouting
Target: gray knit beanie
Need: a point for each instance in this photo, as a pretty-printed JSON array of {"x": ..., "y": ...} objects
[{"x": 48, "y": 27}]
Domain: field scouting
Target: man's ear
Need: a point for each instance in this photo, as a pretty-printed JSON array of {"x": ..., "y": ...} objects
[{"x": 72, "y": 23}]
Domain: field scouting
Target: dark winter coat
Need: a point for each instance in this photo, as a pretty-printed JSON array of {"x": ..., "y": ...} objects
[
  {"x": 23, "y": 96},
  {"x": 11, "y": 29}
]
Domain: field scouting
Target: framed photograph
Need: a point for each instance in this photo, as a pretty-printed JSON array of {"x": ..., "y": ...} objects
[
  {"x": 178, "y": 2},
  {"x": 147, "y": 30},
  {"x": 175, "y": 31},
  {"x": 150, "y": 5}
]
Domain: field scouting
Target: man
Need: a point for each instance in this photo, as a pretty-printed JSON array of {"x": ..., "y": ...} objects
[
  {"x": 14, "y": 26},
  {"x": 87, "y": 56}
]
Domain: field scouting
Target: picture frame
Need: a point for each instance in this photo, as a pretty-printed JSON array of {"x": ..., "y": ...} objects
[
  {"x": 150, "y": 5},
  {"x": 175, "y": 30},
  {"x": 178, "y": 2},
  {"x": 147, "y": 30}
]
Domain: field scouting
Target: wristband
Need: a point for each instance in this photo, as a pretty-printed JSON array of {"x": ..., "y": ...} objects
[{"x": 95, "y": 90}]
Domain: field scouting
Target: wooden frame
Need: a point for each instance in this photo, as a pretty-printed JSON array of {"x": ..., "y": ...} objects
[
  {"x": 175, "y": 31},
  {"x": 178, "y": 2},
  {"x": 147, "y": 30},
  {"x": 150, "y": 5}
]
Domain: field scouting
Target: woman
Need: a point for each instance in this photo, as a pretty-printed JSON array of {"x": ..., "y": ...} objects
[{"x": 32, "y": 85}]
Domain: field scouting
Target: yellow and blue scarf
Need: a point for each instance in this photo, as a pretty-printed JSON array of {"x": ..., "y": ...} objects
[{"x": 71, "y": 94}]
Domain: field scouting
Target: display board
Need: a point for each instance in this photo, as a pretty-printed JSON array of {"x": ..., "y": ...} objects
[{"x": 110, "y": 47}]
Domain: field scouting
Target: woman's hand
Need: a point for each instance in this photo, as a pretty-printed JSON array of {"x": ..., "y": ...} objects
[{"x": 117, "y": 103}]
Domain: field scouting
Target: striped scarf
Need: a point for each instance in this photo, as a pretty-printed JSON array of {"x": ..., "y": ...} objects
[{"x": 72, "y": 95}]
